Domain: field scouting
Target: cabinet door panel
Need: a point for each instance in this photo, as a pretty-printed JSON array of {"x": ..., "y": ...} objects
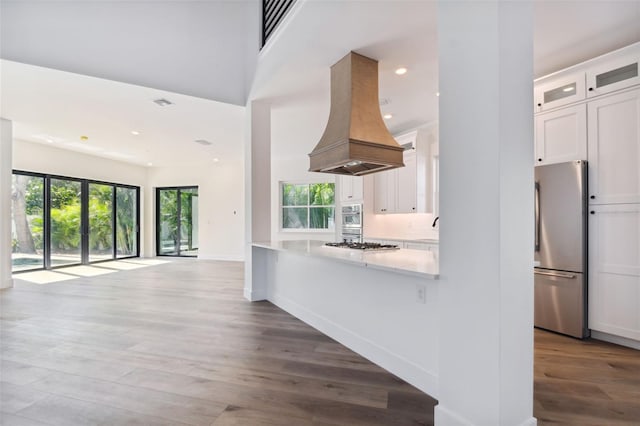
[
  {"x": 407, "y": 185},
  {"x": 382, "y": 183},
  {"x": 614, "y": 270},
  {"x": 561, "y": 135},
  {"x": 613, "y": 75},
  {"x": 614, "y": 149},
  {"x": 559, "y": 92}
]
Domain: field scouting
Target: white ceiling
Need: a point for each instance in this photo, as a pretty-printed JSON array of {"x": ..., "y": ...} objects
[
  {"x": 203, "y": 48},
  {"x": 207, "y": 49},
  {"x": 49, "y": 105}
]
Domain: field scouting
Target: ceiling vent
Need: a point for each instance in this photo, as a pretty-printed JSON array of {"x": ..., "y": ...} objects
[
  {"x": 203, "y": 142},
  {"x": 163, "y": 102}
]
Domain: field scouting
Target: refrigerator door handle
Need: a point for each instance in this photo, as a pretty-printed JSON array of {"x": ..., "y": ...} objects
[
  {"x": 555, "y": 274},
  {"x": 537, "y": 210}
]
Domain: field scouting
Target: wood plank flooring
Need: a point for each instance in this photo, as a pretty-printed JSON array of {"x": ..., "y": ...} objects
[
  {"x": 176, "y": 344},
  {"x": 589, "y": 383}
]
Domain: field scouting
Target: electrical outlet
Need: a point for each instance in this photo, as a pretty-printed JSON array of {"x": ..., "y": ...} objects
[{"x": 421, "y": 293}]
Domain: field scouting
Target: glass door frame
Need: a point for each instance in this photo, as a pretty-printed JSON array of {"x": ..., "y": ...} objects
[
  {"x": 84, "y": 219},
  {"x": 178, "y": 190}
]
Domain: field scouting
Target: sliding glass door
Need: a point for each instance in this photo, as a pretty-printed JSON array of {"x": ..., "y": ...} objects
[
  {"x": 60, "y": 221},
  {"x": 27, "y": 236},
  {"x": 177, "y": 221},
  {"x": 100, "y": 222},
  {"x": 126, "y": 222},
  {"x": 65, "y": 214}
]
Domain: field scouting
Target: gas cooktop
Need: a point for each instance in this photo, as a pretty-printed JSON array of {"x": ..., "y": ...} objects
[{"x": 364, "y": 246}]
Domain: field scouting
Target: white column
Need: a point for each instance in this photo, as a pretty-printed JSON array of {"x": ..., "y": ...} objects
[
  {"x": 486, "y": 208},
  {"x": 257, "y": 195},
  {"x": 6, "y": 141}
]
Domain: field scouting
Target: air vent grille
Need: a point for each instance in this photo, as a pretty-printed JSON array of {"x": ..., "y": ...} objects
[
  {"x": 203, "y": 142},
  {"x": 273, "y": 11}
]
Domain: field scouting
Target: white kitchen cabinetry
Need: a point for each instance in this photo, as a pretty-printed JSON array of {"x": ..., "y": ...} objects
[
  {"x": 614, "y": 269},
  {"x": 395, "y": 190},
  {"x": 614, "y": 148},
  {"x": 561, "y": 135},
  {"x": 384, "y": 198},
  {"x": 407, "y": 184},
  {"x": 351, "y": 189},
  {"x": 559, "y": 91},
  {"x": 613, "y": 75}
]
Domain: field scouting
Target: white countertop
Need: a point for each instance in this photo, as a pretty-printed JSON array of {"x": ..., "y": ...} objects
[
  {"x": 421, "y": 263},
  {"x": 406, "y": 240}
]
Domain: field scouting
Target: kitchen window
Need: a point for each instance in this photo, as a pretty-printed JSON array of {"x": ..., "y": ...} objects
[{"x": 308, "y": 206}]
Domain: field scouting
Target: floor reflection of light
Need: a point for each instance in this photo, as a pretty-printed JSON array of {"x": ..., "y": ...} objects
[
  {"x": 120, "y": 265},
  {"x": 43, "y": 277},
  {"x": 80, "y": 271},
  {"x": 86, "y": 271},
  {"x": 149, "y": 262}
]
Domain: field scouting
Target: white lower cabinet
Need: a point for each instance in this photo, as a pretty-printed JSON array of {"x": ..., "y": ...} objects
[{"x": 614, "y": 269}]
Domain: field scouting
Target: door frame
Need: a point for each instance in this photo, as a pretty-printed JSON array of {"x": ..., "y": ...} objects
[{"x": 178, "y": 190}]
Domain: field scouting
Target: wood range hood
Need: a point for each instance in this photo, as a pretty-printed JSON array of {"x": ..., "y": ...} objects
[{"x": 356, "y": 141}]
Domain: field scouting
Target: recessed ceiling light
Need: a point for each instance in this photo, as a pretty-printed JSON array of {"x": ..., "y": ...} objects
[
  {"x": 50, "y": 140},
  {"x": 84, "y": 138},
  {"x": 437, "y": 93},
  {"x": 163, "y": 102},
  {"x": 135, "y": 132},
  {"x": 401, "y": 71},
  {"x": 568, "y": 89},
  {"x": 215, "y": 160},
  {"x": 202, "y": 142},
  {"x": 387, "y": 116},
  {"x": 149, "y": 164}
]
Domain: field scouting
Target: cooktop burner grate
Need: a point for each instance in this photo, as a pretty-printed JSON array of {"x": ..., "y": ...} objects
[{"x": 364, "y": 246}]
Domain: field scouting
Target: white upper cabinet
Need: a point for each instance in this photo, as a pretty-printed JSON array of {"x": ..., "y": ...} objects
[
  {"x": 384, "y": 198},
  {"x": 614, "y": 148},
  {"x": 407, "y": 184},
  {"x": 613, "y": 75},
  {"x": 614, "y": 269},
  {"x": 559, "y": 91},
  {"x": 561, "y": 135},
  {"x": 351, "y": 190}
]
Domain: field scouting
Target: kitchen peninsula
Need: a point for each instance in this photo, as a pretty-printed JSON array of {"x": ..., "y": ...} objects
[{"x": 359, "y": 298}]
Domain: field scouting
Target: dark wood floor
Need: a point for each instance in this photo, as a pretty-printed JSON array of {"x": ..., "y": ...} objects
[{"x": 176, "y": 344}]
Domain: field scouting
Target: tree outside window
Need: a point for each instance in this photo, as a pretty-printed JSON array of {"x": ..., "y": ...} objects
[{"x": 308, "y": 206}]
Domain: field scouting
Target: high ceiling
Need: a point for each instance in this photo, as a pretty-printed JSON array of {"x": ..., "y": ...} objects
[{"x": 208, "y": 50}]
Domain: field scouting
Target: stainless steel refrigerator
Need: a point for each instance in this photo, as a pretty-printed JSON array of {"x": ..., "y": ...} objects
[{"x": 561, "y": 248}]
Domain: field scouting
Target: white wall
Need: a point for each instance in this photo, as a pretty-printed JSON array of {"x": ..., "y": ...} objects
[
  {"x": 486, "y": 242},
  {"x": 5, "y": 203},
  {"x": 36, "y": 157},
  {"x": 221, "y": 206},
  {"x": 296, "y": 128}
]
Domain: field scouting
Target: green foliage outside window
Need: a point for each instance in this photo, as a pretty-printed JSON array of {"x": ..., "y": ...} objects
[{"x": 308, "y": 206}]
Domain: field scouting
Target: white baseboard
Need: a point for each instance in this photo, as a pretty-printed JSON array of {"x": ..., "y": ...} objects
[
  {"x": 6, "y": 283},
  {"x": 254, "y": 296},
  {"x": 446, "y": 417},
  {"x": 622, "y": 341},
  {"x": 408, "y": 371}
]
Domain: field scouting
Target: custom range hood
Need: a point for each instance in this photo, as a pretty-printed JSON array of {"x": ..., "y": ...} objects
[{"x": 356, "y": 140}]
